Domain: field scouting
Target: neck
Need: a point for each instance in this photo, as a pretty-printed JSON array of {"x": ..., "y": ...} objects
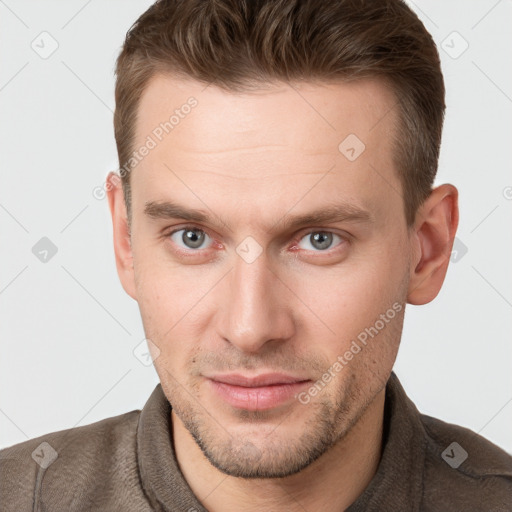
[{"x": 331, "y": 483}]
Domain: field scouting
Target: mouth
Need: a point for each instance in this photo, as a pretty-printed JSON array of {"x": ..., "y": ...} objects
[{"x": 256, "y": 393}]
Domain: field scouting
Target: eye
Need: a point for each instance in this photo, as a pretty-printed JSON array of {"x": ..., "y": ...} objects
[
  {"x": 189, "y": 237},
  {"x": 321, "y": 241}
]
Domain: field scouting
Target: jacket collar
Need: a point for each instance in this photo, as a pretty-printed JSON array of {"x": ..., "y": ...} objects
[
  {"x": 398, "y": 482},
  {"x": 162, "y": 480}
]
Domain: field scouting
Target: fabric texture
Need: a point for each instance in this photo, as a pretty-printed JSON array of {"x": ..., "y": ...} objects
[{"x": 127, "y": 463}]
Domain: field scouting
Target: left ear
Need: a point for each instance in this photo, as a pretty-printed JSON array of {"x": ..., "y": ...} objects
[{"x": 432, "y": 237}]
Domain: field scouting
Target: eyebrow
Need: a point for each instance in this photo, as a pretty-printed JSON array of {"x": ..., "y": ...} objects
[{"x": 339, "y": 212}]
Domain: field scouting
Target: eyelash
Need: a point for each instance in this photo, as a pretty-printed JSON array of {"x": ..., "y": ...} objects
[{"x": 296, "y": 241}]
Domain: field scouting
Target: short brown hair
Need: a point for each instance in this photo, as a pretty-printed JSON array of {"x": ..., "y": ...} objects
[{"x": 235, "y": 43}]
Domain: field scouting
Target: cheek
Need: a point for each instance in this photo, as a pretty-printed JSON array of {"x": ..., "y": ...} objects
[
  {"x": 346, "y": 302},
  {"x": 160, "y": 297},
  {"x": 349, "y": 297},
  {"x": 163, "y": 287},
  {"x": 173, "y": 302}
]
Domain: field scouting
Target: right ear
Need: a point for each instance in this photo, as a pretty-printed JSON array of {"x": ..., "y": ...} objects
[{"x": 121, "y": 230}]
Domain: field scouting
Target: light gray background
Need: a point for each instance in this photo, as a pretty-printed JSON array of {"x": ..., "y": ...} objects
[{"x": 68, "y": 330}]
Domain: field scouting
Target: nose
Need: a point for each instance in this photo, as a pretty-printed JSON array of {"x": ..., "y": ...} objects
[{"x": 256, "y": 306}]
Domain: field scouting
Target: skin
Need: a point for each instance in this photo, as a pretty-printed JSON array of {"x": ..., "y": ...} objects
[{"x": 253, "y": 159}]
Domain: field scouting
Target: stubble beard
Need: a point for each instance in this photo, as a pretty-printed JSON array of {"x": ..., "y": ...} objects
[{"x": 278, "y": 455}]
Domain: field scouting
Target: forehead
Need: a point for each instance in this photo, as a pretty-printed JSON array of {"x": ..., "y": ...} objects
[
  {"x": 257, "y": 144},
  {"x": 288, "y": 111}
]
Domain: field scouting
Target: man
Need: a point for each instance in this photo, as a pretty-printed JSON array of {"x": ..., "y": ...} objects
[{"x": 275, "y": 214}]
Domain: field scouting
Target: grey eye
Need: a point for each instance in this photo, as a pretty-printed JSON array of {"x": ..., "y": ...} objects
[
  {"x": 319, "y": 240},
  {"x": 191, "y": 238}
]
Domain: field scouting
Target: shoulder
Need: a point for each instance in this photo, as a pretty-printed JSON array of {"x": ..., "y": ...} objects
[
  {"x": 463, "y": 467},
  {"x": 72, "y": 467}
]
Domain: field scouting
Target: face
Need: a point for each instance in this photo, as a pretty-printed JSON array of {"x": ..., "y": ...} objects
[{"x": 295, "y": 258}]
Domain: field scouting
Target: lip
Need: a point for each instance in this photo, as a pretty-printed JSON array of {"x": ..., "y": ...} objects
[{"x": 256, "y": 393}]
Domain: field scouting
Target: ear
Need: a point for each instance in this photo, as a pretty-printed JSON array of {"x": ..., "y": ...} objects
[
  {"x": 121, "y": 230},
  {"x": 432, "y": 239}
]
